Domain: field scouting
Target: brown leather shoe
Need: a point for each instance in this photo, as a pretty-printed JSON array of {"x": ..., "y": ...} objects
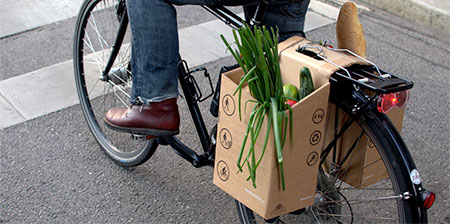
[{"x": 158, "y": 119}]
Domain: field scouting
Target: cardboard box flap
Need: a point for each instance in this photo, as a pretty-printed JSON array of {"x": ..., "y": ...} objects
[{"x": 321, "y": 69}]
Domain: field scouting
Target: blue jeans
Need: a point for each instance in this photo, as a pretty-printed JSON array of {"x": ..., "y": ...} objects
[{"x": 155, "y": 55}]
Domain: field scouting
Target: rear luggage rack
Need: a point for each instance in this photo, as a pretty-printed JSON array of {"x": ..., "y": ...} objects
[
  {"x": 367, "y": 77},
  {"x": 360, "y": 76}
]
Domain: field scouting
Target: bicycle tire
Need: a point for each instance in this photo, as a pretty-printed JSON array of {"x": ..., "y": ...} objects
[
  {"x": 95, "y": 35},
  {"x": 388, "y": 143}
]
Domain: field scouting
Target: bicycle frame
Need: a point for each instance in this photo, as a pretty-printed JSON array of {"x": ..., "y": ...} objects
[{"x": 339, "y": 89}]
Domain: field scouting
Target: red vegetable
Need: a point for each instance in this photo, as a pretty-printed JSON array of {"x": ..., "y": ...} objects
[{"x": 291, "y": 102}]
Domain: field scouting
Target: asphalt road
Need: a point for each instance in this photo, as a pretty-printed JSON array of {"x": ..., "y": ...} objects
[{"x": 52, "y": 171}]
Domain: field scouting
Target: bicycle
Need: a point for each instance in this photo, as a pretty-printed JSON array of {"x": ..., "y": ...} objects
[{"x": 103, "y": 80}]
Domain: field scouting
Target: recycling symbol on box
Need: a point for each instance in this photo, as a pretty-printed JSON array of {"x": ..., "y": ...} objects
[{"x": 315, "y": 138}]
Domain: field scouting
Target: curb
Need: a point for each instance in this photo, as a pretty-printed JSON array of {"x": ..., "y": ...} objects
[{"x": 418, "y": 12}]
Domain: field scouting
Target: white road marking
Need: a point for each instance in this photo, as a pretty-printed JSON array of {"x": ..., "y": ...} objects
[{"x": 21, "y": 15}]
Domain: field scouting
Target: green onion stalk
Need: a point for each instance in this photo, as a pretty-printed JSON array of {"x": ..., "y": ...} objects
[{"x": 257, "y": 55}]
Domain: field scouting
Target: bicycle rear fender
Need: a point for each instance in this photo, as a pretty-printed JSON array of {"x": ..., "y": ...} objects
[{"x": 402, "y": 154}]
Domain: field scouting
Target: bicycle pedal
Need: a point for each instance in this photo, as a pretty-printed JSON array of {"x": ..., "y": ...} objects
[{"x": 141, "y": 138}]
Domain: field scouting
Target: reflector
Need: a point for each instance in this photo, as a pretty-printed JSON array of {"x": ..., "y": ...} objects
[{"x": 429, "y": 199}]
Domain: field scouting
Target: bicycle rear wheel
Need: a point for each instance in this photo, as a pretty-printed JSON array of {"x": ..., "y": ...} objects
[
  {"x": 339, "y": 202},
  {"x": 96, "y": 32}
]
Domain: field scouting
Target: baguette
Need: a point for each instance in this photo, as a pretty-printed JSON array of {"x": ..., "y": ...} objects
[{"x": 349, "y": 30}]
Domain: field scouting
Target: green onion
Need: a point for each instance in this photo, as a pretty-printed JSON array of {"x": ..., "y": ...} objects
[{"x": 257, "y": 55}]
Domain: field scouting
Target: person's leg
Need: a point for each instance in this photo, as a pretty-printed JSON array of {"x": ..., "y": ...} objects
[
  {"x": 154, "y": 50},
  {"x": 286, "y": 15},
  {"x": 155, "y": 47},
  {"x": 154, "y": 66}
]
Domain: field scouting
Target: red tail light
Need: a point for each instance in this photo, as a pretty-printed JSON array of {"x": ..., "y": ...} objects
[
  {"x": 427, "y": 198},
  {"x": 386, "y": 102}
]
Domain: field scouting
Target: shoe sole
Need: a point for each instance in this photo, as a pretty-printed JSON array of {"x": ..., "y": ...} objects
[{"x": 142, "y": 131}]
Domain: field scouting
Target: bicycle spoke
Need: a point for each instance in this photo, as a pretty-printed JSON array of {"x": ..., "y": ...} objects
[
  {"x": 327, "y": 214},
  {"x": 91, "y": 62},
  {"x": 366, "y": 189},
  {"x": 121, "y": 100},
  {"x": 314, "y": 214},
  {"x": 122, "y": 91},
  {"x": 101, "y": 40},
  {"x": 92, "y": 89},
  {"x": 94, "y": 53},
  {"x": 358, "y": 217},
  {"x": 376, "y": 199},
  {"x": 100, "y": 37},
  {"x": 353, "y": 202}
]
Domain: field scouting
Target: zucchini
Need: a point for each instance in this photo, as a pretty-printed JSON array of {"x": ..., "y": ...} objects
[{"x": 306, "y": 83}]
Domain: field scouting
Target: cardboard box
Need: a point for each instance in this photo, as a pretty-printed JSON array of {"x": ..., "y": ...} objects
[
  {"x": 364, "y": 167},
  {"x": 367, "y": 158},
  {"x": 300, "y": 162}
]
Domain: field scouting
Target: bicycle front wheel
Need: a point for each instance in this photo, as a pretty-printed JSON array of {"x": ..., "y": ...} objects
[
  {"x": 337, "y": 201},
  {"x": 98, "y": 28}
]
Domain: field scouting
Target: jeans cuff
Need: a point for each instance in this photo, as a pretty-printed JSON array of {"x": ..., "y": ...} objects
[{"x": 143, "y": 100}]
